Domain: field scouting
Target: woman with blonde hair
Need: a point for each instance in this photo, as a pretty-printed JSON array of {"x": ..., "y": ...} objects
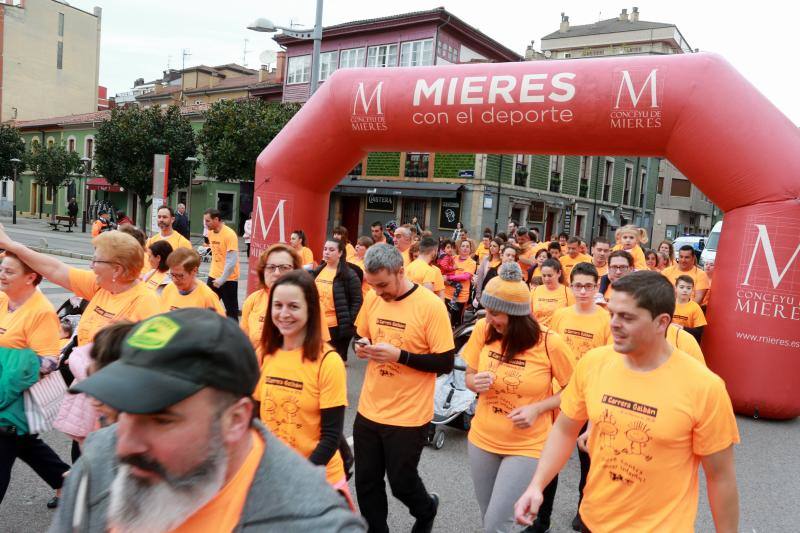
[
  {"x": 112, "y": 286},
  {"x": 631, "y": 239}
]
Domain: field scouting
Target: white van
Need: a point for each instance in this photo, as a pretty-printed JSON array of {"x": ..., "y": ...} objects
[{"x": 712, "y": 242}]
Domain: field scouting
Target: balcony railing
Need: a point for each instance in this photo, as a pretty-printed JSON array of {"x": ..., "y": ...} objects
[{"x": 521, "y": 177}]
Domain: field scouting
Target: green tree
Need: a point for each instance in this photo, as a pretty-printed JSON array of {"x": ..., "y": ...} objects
[
  {"x": 11, "y": 147},
  {"x": 236, "y": 131},
  {"x": 52, "y": 167},
  {"x": 128, "y": 140}
]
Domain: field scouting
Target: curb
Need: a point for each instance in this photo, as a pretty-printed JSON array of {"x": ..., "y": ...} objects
[{"x": 62, "y": 253}]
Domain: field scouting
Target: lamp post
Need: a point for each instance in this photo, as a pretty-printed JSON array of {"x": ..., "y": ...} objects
[
  {"x": 15, "y": 163},
  {"x": 267, "y": 26},
  {"x": 87, "y": 168},
  {"x": 192, "y": 165}
]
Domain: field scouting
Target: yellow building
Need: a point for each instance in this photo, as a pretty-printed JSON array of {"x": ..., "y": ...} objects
[
  {"x": 202, "y": 84},
  {"x": 49, "y": 59}
]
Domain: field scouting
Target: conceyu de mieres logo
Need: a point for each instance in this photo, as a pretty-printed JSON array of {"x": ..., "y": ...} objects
[
  {"x": 368, "y": 107},
  {"x": 637, "y": 99}
]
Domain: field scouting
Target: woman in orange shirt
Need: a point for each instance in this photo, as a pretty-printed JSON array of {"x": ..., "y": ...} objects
[
  {"x": 651, "y": 260},
  {"x": 158, "y": 276},
  {"x": 511, "y": 363},
  {"x": 303, "y": 387},
  {"x": 299, "y": 242},
  {"x": 112, "y": 286},
  {"x": 666, "y": 247},
  {"x": 552, "y": 295}
]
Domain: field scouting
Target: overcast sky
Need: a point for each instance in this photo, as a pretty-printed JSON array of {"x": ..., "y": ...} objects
[{"x": 141, "y": 38}]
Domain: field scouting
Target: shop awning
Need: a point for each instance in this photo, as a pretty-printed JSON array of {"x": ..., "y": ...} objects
[
  {"x": 611, "y": 219},
  {"x": 398, "y": 188},
  {"x": 102, "y": 184}
]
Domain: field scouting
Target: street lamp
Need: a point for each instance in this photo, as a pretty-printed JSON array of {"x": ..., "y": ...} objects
[
  {"x": 192, "y": 164},
  {"x": 15, "y": 163},
  {"x": 267, "y": 26},
  {"x": 87, "y": 168}
]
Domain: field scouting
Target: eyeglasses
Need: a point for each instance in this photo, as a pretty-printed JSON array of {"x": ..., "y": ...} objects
[
  {"x": 98, "y": 261},
  {"x": 278, "y": 268},
  {"x": 577, "y": 287},
  {"x": 623, "y": 268}
]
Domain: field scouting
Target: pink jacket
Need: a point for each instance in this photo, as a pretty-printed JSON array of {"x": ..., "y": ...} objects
[{"x": 77, "y": 416}]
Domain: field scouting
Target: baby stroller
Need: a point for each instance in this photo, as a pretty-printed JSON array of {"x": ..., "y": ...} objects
[
  {"x": 204, "y": 250},
  {"x": 453, "y": 404}
]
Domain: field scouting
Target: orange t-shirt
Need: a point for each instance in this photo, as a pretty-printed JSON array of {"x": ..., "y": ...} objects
[
  {"x": 649, "y": 432},
  {"x": 481, "y": 252},
  {"x": 601, "y": 270},
  {"x": 324, "y": 282},
  {"x": 568, "y": 263},
  {"x": 32, "y": 325},
  {"x": 135, "y": 304},
  {"x": 689, "y": 315},
  {"x": 545, "y": 302},
  {"x": 529, "y": 253},
  {"x": 157, "y": 280},
  {"x": 406, "y": 258},
  {"x": 523, "y": 380},
  {"x": 175, "y": 239},
  {"x": 222, "y": 242},
  {"x": 420, "y": 272},
  {"x": 224, "y": 511},
  {"x": 418, "y": 323},
  {"x": 639, "y": 260},
  {"x": 306, "y": 256},
  {"x": 582, "y": 332},
  {"x": 707, "y": 295},
  {"x": 254, "y": 312},
  {"x": 292, "y": 391},
  {"x": 201, "y": 296},
  {"x": 685, "y": 342},
  {"x": 462, "y": 265},
  {"x": 699, "y": 276},
  {"x": 350, "y": 252}
]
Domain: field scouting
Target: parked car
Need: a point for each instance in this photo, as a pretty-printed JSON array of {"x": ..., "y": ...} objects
[
  {"x": 697, "y": 242},
  {"x": 712, "y": 242}
]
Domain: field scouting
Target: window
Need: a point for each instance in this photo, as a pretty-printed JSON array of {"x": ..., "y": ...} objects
[
  {"x": 5, "y": 189},
  {"x": 521, "y": 171},
  {"x": 60, "y": 56},
  {"x": 384, "y": 55},
  {"x": 413, "y": 208},
  {"x": 48, "y": 194},
  {"x": 225, "y": 201},
  {"x": 660, "y": 189},
  {"x": 357, "y": 170},
  {"x": 299, "y": 70},
  {"x": 71, "y": 145},
  {"x": 556, "y": 170},
  {"x": 567, "y": 55},
  {"x": 89, "y": 152},
  {"x": 642, "y": 180},
  {"x": 327, "y": 64},
  {"x": 537, "y": 212},
  {"x": 682, "y": 188},
  {"x": 416, "y": 53},
  {"x": 626, "y": 191},
  {"x": 417, "y": 165},
  {"x": 593, "y": 52},
  {"x": 607, "y": 180},
  {"x": 352, "y": 58},
  {"x": 585, "y": 175},
  {"x": 34, "y": 145},
  {"x": 51, "y": 142},
  {"x": 447, "y": 51},
  {"x": 61, "y": 24}
]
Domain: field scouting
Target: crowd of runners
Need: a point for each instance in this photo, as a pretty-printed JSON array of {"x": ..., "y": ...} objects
[{"x": 184, "y": 411}]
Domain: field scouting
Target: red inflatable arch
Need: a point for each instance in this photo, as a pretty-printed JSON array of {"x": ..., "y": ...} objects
[{"x": 694, "y": 109}]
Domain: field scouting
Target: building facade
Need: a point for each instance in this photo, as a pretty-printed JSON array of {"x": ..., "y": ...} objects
[
  {"x": 49, "y": 59},
  {"x": 679, "y": 208}
]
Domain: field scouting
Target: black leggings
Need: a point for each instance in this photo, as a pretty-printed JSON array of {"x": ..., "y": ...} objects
[
  {"x": 340, "y": 344},
  {"x": 33, "y": 451}
]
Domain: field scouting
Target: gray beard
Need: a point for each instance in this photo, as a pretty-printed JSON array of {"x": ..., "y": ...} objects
[{"x": 137, "y": 506}]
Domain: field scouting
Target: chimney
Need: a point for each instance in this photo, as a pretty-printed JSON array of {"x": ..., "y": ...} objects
[
  {"x": 564, "y": 24},
  {"x": 635, "y": 14},
  {"x": 280, "y": 67},
  {"x": 624, "y": 15},
  {"x": 263, "y": 72}
]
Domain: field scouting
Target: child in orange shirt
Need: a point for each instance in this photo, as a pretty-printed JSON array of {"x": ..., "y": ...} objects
[
  {"x": 631, "y": 239},
  {"x": 688, "y": 314}
]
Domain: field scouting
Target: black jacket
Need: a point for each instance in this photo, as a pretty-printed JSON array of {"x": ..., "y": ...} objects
[
  {"x": 347, "y": 298},
  {"x": 181, "y": 225},
  {"x": 72, "y": 209}
]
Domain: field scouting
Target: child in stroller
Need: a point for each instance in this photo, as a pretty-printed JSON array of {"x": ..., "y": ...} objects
[{"x": 453, "y": 404}]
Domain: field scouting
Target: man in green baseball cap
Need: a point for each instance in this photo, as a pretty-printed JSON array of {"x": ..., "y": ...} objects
[{"x": 186, "y": 454}]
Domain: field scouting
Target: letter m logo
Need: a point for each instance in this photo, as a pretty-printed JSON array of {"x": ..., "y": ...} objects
[
  {"x": 269, "y": 219},
  {"x": 365, "y": 104},
  {"x": 763, "y": 240},
  {"x": 635, "y": 85}
]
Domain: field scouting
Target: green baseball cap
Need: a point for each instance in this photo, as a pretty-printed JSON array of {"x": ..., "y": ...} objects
[{"x": 169, "y": 357}]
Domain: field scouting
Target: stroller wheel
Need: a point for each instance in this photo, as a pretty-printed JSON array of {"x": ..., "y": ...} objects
[{"x": 438, "y": 440}]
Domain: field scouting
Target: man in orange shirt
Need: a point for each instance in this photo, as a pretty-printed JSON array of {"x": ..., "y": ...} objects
[
  {"x": 600, "y": 250},
  {"x": 223, "y": 276},
  {"x": 185, "y": 290},
  {"x": 402, "y": 241},
  {"x": 573, "y": 256},
  {"x": 656, "y": 414},
  {"x": 405, "y": 334},
  {"x": 103, "y": 223},
  {"x": 687, "y": 266},
  {"x": 165, "y": 218},
  {"x": 187, "y": 456}
]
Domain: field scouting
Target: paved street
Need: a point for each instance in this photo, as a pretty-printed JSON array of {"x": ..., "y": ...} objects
[{"x": 767, "y": 463}]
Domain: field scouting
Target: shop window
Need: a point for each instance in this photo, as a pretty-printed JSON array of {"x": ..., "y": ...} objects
[{"x": 413, "y": 207}]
